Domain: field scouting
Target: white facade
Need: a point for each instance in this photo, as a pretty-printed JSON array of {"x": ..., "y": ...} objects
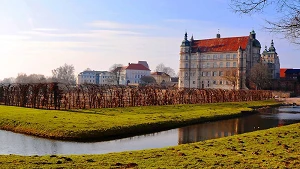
[
  {"x": 206, "y": 63},
  {"x": 132, "y": 74},
  {"x": 96, "y": 77}
]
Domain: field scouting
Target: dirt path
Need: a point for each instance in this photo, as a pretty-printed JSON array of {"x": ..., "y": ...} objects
[{"x": 290, "y": 100}]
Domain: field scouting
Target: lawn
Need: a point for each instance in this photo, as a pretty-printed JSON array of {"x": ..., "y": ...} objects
[
  {"x": 272, "y": 148},
  {"x": 102, "y": 124}
]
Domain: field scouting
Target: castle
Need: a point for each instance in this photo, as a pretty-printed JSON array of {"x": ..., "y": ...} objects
[{"x": 222, "y": 63}]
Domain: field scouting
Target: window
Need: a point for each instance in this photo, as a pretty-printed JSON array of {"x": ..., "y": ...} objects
[
  {"x": 221, "y": 82},
  {"x": 186, "y": 57},
  {"x": 234, "y": 56},
  {"x": 228, "y": 56},
  {"x": 203, "y": 65},
  {"x": 215, "y": 57},
  {"x": 194, "y": 82},
  {"x": 204, "y": 57},
  {"x": 214, "y": 82},
  {"x": 227, "y": 64},
  {"x": 208, "y": 57},
  {"x": 208, "y": 73},
  {"x": 221, "y": 64},
  {"x": 215, "y": 73},
  {"x": 234, "y": 64},
  {"x": 215, "y": 65},
  {"x": 207, "y": 65},
  {"x": 221, "y": 56},
  {"x": 203, "y": 73},
  {"x": 186, "y": 65},
  {"x": 220, "y": 73},
  {"x": 186, "y": 74}
]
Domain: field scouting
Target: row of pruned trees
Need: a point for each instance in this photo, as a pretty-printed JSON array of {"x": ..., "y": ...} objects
[{"x": 87, "y": 96}]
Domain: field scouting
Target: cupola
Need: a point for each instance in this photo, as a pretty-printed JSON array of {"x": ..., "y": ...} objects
[{"x": 185, "y": 41}]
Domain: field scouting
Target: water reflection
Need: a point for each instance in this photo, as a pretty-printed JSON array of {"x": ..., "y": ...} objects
[
  {"x": 268, "y": 118},
  {"x": 13, "y": 143}
]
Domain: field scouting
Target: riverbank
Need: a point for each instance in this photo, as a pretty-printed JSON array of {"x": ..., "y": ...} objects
[
  {"x": 271, "y": 148},
  {"x": 104, "y": 124},
  {"x": 290, "y": 101}
]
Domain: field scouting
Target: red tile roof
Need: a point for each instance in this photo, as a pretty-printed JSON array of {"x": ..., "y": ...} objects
[
  {"x": 160, "y": 73},
  {"x": 134, "y": 66},
  {"x": 282, "y": 72},
  {"x": 220, "y": 44}
]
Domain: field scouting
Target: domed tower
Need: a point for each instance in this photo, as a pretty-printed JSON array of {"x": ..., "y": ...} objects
[
  {"x": 255, "y": 48},
  {"x": 271, "y": 58},
  {"x": 184, "y": 66}
]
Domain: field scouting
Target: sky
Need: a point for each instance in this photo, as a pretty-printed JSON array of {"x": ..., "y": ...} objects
[{"x": 37, "y": 36}]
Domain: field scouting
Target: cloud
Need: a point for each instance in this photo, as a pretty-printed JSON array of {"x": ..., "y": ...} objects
[
  {"x": 45, "y": 29},
  {"x": 82, "y": 34},
  {"x": 115, "y": 25}
]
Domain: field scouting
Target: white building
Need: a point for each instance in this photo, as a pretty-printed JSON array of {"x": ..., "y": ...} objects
[
  {"x": 131, "y": 74},
  {"x": 96, "y": 77}
]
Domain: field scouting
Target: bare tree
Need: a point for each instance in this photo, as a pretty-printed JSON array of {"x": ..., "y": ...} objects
[
  {"x": 168, "y": 70},
  {"x": 32, "y": 78},
  {"x": 64, "y": 74},
  {"x": 260, "y": 76},
  {"x": 116, "y": 70},
  {"x": 21, "y": 78},
  {"x": 148, "y": 80},
  {"x": 88, "y": 69},
  {"x": 288, "y": 23},
  {"x": 231, "y": 75},
  {"x": 8, "y": 80}
]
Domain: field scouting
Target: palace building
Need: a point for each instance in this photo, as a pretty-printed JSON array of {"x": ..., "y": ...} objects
[{"x": 219, "y": 62}]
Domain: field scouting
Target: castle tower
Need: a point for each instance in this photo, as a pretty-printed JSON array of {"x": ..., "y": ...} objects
[
  {"x": 271, "y": 58},
  {"x": 184, "y": 63}
]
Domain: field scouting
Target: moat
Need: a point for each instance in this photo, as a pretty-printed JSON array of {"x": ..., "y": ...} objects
[{"x": 14, "y": 143}]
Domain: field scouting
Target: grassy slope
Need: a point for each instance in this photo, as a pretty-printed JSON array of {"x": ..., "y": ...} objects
[
  {"x": 102, "y": 123},
  {"x": 272, "y": 148}
]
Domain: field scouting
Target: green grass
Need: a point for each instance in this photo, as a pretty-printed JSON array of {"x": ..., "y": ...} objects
[
  {"x": 272, "y": 148},
  {"x": 101, "y": 124}
]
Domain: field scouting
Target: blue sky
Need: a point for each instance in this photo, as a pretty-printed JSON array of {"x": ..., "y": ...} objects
[{"x": 37, "y": 36}]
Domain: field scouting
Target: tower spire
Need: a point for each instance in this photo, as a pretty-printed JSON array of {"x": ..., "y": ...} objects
[
  {"x": 218, "y": 34},
  {"x": 185, "y": 35},
  {"x": 272, "y": 48}
]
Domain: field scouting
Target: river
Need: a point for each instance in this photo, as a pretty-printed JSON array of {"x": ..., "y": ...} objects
[{"x": 20, "y": 144}]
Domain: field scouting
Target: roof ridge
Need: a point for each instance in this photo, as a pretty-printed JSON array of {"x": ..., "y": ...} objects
[{"x": 223, "y": 38}]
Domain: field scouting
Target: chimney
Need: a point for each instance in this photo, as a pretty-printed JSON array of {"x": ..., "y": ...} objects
[{"x": 218, "y": 35}]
